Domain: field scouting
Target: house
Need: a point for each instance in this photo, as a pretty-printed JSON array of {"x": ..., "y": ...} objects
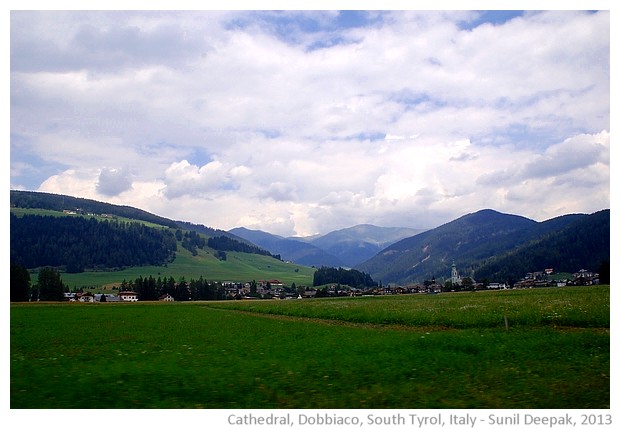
[
  {"x": 585, "y": 277},
  {"x": 87, "y": 297},
  {"x": 128, "y": 296},
  {"x": 70, "y": 296},
  {"x": 99, "y": 297},
  {"x": 310, "y": 293},
  {"x": 501, "y": 286},
  {"x": 166, "y": 297}
]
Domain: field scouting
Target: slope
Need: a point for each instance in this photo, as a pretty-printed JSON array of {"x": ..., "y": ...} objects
[
  {"x": 359, "y": 243},
  {"x": 469, "y": 241},
  {"x": 581, "y": 244},
  {"x": 289, "y": 249}
]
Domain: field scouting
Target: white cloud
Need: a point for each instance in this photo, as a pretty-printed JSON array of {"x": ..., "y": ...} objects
[{"x": 405, "y": 120}]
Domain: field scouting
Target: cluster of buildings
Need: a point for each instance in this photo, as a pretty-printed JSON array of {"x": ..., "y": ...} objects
[
  {"x": 542, "y": 279},
  {"x": 266, "y": 289},
  {"x": 124, "y": 296}
]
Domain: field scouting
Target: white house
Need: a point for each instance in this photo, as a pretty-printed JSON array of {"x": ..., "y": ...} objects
[
  {"x": 166, "y": 297},
  {"x": 497, "y": 286},
  {"x": 87, "y": 297},
  {"x": 128, "y": 296}
]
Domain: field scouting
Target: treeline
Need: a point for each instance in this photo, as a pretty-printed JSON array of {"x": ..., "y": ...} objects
[
  {"x": 227, "y": 244},
  {"x": 353, "y": 278},
  {"x": 151, "y": 289},
  {"x": 192, "y": 241},
  {"x": 79, "y": 243},
  {"x": 49, "y": 286}
]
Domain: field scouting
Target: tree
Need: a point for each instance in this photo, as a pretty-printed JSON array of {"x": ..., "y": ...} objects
[
  {"x": 467, "y": 283},
  {"x": 300, "y": 290},
  {"x": 20, "y": 283},
  {"x": 321, "y": 292},
  {"x": 51, "y": 287}
]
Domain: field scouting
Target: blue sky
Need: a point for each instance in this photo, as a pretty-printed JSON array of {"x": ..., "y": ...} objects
[{"x": 301, "y": 122}]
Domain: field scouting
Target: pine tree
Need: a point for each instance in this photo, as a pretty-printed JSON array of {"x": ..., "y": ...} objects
[
  {"x": 51, "y": 287},
  {"x": 20, "y": 283}
]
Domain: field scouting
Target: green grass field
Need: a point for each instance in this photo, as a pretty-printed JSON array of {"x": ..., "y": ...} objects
[
  {"x": 238, "y": 267},
  {"x": 414, "y": 351}
]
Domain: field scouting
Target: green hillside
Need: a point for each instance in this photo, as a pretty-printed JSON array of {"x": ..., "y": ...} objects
[
  {"x": 33, "y": 214},
  {"x": 237, "y": 267},
  {"x": 497, "y": 247}
]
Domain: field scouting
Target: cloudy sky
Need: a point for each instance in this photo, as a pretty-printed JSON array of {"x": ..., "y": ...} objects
[{"x": 302, "y": 122}]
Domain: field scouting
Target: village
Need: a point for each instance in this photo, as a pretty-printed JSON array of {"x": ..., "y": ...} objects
[{"x": 275, "y": 289}]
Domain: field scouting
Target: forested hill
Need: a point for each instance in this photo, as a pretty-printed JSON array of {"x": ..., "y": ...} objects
[
  {"x": 78, "y": 243},
  {"x": 584, "y": 243},
  {"x": 102, "y": 236}
]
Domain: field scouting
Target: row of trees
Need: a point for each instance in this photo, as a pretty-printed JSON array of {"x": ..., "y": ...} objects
[
  {"x": 353, "y": 278},
  {"x": 49, "y": 285},
  {"x": 228, "y": 244},
  {"x": 192, "y": 241},
  {"x": 150, "y": 289}
]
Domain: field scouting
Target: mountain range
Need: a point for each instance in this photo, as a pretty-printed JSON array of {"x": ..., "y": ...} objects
[
  {"x": 484, "y": 245},
  {"x": 341, "y": 248}
]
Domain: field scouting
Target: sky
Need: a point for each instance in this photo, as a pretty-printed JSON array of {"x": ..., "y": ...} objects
[{"x": 304, "y": 122}]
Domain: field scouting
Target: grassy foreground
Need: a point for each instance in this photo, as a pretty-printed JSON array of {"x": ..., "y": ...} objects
[{"x": 384, "y": 352}]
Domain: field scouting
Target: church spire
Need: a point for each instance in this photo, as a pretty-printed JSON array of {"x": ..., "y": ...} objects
[{"x": 456, "y": 279}]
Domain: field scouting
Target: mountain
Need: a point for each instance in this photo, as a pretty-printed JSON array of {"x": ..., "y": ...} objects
[
  {"x": 474, "y": 241},
  {"x": 289, "y": 249},
  {"x": 341, "y": 248},
  {"x": 359, "y": 243},
  {"x": 583, "y": 243}
]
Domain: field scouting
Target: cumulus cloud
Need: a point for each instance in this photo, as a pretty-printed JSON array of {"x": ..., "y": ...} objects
[
  {"x": 302, "y": 122},
  {"x": 113, "y": 181},
  {"x": 574, "y": 153},
  {"x": 183, "y": 178}
]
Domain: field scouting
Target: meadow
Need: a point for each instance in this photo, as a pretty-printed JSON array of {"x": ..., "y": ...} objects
[
  {"x": 413, "y": 351},
  {"x": 238, "y": 267}
]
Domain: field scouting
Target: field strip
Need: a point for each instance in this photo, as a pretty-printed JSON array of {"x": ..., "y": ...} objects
[
  {"x": 396, "y": 326},
  {"x": 336, "y": 322}
]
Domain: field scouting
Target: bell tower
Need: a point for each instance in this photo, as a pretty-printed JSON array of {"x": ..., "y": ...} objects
[{"x": 456, "y": 279}]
